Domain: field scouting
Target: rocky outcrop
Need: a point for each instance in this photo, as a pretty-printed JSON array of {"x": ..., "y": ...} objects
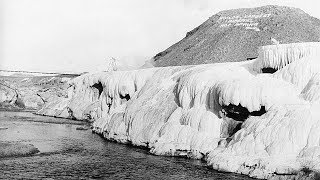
[
  {"x": 10, "y": 97},
  {"x": 233, "y": 115},
  {"x": 235, "y": 35},
  {"x": 20, "y": 92}
]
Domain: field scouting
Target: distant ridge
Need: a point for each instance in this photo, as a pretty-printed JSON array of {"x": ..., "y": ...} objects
[
  {"x": 235, "y": 35},
  {"x": 37, "y": 72}
]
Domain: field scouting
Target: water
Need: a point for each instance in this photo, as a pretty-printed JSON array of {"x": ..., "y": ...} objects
[{"x": 67, "y": 153}]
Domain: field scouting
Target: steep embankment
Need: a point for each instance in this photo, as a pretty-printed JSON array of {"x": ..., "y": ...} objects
[
  {"x": 235, "y": 35},
  {"x": 233, "y": 115}
]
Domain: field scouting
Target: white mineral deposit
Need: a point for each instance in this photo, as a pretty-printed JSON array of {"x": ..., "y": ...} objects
[
  {"x": 128, "y": 90},
  {"x": 233, "y": 115}
]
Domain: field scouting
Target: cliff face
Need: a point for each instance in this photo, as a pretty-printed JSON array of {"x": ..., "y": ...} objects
[
  {"x": 235, "y": 35},
  {"x": 234, "y": 115}
]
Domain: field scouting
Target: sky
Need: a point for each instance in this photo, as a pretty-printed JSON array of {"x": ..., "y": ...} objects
[{"x": 81, "y": 35}]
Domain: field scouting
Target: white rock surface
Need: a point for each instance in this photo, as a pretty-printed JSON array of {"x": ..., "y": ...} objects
[{"x": 183, "y": 111}]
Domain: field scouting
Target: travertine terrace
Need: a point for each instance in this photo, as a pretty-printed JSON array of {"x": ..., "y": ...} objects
[{"x": 257, "y": 117}]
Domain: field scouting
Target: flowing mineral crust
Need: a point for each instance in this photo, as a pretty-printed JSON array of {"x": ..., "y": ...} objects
[{"x": 238, "y": 116}]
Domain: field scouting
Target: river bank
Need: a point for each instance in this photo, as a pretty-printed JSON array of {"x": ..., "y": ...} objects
[{"x": 68, "y": 153}]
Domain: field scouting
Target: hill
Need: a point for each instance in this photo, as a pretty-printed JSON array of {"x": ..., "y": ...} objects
[{"x": 235, "y": 35}]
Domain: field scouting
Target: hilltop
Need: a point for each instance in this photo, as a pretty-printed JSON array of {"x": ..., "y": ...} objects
[{"x": 235, "y": 35}]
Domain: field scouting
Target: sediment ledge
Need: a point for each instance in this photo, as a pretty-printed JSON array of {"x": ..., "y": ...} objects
[{"x": 16, "y": 149}]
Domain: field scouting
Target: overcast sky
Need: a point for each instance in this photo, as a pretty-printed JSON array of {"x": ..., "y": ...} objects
[{"x": 79, "y": 35}]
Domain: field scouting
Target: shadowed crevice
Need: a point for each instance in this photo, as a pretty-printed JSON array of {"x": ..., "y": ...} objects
[
  {"x": 99, "y": 87},
  {"x": 127, "y": 97},
  {"x": 268, "y": 70},
  {"x": 240, "y": 113}
]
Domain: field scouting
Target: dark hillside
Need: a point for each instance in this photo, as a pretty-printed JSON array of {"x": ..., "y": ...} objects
[{"x": 235, "y": 35}]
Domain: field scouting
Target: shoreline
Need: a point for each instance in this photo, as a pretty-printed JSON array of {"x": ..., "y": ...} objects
[
  {"x": 22, "y": 149},
  {"x": 32, "y": 117},
  {"x": 36, "y": 153},
  {"x": 183, "y": 155}
]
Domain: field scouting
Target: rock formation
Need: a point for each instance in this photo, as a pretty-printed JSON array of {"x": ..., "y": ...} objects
[
  {"x": 235, "y": 35},
  {"x": 9, "y": 97},
  {"x": 237, "y": 116},
  {"x": 22, "y": 91}
]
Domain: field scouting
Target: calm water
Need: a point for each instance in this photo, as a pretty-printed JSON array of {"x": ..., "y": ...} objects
[{"x": 67, "y": 153}]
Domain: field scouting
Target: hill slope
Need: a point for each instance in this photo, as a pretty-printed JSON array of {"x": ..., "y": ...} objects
[{"x": 235, "y": 35}]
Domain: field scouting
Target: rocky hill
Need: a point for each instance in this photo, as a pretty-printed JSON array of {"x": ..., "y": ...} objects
[{"x": 235, "y": 35}]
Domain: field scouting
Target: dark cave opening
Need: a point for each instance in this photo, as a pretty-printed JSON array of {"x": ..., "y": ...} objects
[
  {"x": 237, "y": 113},
  {"x": 260, "y": 112},
  {"x": 251, "y": 58},
  {"x": 127, "y": 97},
  {"x": 268, "y": 70},
  {"x": 99, "y": 87},
  {"x": 240, "y": 113}
]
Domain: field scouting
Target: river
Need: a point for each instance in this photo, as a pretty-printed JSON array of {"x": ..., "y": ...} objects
[{"x": 68, "y": 153}]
